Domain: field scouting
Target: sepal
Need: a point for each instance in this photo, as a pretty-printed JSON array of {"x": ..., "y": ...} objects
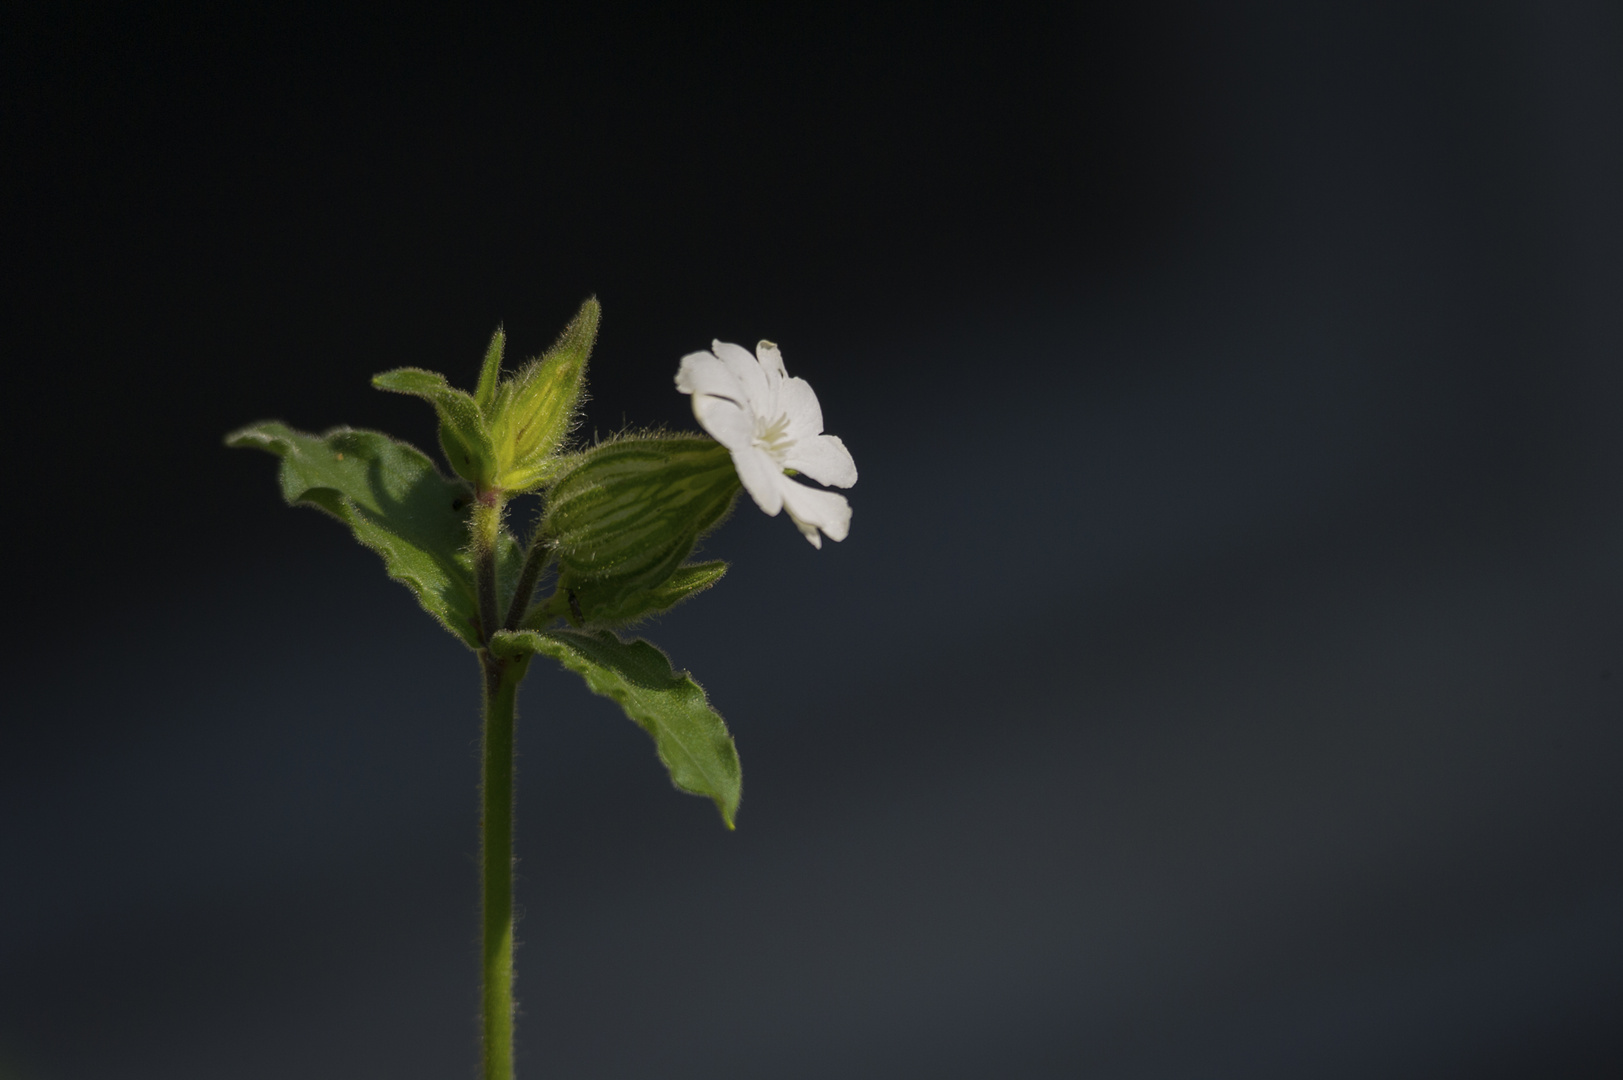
[{"x": 685, "y": 582}]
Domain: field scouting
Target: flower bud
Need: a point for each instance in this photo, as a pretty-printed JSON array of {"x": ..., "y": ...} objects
[
  {"x": 530, "y": 414},
  {"x": 625, "y": 517}
]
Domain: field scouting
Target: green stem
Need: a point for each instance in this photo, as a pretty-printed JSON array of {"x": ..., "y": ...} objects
[
  {"x": 496, "y": 863},
  {"x": 535, "y": 560},
  {"x": 486, "y": 527}
]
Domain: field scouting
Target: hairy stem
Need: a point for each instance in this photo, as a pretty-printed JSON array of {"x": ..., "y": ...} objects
[
  {"x": 535, "y": 561},
  {"x": 496, "y": 864},
  {"x": 486, "y": 527}
]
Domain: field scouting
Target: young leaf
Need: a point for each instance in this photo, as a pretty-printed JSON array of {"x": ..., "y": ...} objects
[
  {"x": 490, "y": 372},
  {"x": 396, "y": 503},
  {"x": 463, "y": 436},
  {"x": 689, "y": 735}
]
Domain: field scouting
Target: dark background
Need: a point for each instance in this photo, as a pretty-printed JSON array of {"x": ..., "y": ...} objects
[{"x": 1224, "y": 673}]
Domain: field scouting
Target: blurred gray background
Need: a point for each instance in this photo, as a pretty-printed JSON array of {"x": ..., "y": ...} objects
[{"x": 1224, "y": 673}]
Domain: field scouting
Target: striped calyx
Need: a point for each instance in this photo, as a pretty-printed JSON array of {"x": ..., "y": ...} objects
[{"x": 624, "y": 518}]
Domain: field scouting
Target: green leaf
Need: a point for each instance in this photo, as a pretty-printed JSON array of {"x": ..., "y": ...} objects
[
  {"x": 485, "y": 395},
  {"x": 396, "y": 503},
  {"x": 463, "y": 436},
  {"x": 689, "y": 735}
]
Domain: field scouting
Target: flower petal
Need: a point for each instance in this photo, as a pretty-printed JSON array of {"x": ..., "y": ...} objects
[
  {"x": 772, "y": 368},
  {"x": 727, "y": 421},
  {"x": 760, "y": 476},
  {"x": 824, "y": 458},
  {"x": 703, "y": 373},
  {"x": 811, "y": 510},
  {"x": 798, "y": 401},
  {"x": 747, "y": 370}
]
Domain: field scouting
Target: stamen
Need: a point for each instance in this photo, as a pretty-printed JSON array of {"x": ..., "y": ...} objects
[{"x": 773, "y": 437}]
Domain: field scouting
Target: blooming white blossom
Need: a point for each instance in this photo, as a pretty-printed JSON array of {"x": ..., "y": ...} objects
[{"x": 771, "y": 422}]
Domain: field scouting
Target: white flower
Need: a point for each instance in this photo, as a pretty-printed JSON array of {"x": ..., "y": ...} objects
[{"x": 771, "y": 422}]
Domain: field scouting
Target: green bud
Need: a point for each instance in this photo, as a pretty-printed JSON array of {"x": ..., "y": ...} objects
[
  {"x": 531, "y": 414},
  {"x": 624, "y": 518}
]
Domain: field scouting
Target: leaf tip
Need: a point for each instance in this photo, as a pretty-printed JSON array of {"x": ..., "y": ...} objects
[{"x": 254, "y": 435}]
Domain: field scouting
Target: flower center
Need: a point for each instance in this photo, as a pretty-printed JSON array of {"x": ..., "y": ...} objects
[{"x": 774, "y": 437}]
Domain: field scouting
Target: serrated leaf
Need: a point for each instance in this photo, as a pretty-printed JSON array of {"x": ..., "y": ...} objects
[
  {"x": 463, "y": 435},
  {"x": 395, "y": 502},
  {"x": 689, "y": 735}
]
